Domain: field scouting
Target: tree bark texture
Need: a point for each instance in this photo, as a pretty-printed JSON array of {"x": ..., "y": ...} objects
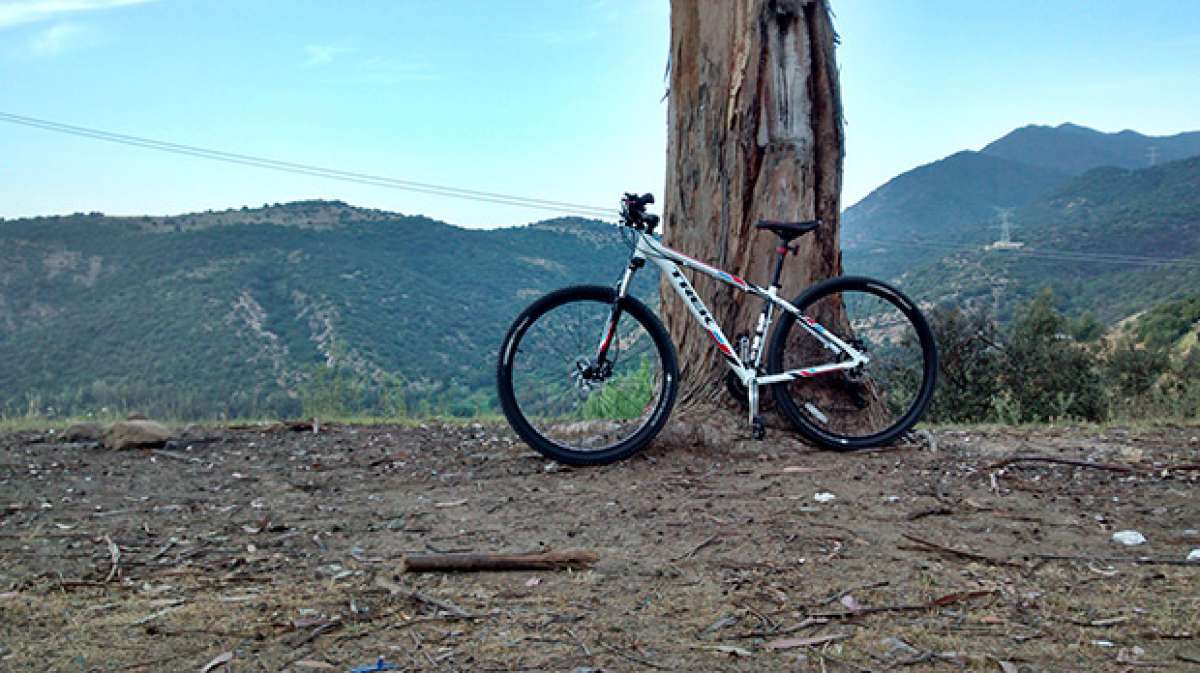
[{"x": 755, "y": 132}]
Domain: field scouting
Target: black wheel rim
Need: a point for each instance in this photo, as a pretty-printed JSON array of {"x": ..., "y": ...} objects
[
  {"x": 570, "y": 407},
  {"x": 871, "y": 403}
]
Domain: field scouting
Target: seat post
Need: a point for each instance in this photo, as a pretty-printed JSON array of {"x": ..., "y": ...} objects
[{"x": 783, "y": 249}]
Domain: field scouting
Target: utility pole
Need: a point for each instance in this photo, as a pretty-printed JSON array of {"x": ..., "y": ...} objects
[{"x": 998, "y": 286}]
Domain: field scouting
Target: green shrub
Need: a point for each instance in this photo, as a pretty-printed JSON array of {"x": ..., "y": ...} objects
[
  {"x": 1047, "y": 373},
  {"x": 969, "y": 365}
]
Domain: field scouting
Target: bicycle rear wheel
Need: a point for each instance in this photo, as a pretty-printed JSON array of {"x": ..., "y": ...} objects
[
  {"x": 566, "y": 405},
  {"x": 873, "y": 404}
]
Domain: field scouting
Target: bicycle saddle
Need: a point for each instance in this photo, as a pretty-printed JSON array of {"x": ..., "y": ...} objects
[{"x": 788, "y": 230}]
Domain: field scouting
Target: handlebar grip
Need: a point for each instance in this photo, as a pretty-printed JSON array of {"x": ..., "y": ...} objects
[{"x": 639, "y": 201}]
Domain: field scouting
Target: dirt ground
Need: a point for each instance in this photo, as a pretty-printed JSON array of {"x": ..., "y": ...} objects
[{"x": 274, "y": 549}]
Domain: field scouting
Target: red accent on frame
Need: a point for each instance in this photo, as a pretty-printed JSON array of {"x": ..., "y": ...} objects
[
  {"x": 612, "y": 329},
  {"x": 724, "y": 349}
]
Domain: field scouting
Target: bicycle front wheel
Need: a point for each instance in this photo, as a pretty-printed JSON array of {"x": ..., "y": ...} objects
[
  {"x": 870, "y": 405},
  {"x": 564, "y": 403}
]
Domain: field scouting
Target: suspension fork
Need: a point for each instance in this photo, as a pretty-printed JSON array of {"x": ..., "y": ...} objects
[{"x": 614, "y": 315}]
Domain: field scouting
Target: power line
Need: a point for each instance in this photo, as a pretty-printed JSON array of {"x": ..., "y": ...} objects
[
  {"x": 308, "y": 169},
  {"x": 1047, "y": 254},
  {"x": 507, "y": 199}
]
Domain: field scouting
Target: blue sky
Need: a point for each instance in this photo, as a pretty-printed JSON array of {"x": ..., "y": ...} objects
[{"x": 549, "y": 99}]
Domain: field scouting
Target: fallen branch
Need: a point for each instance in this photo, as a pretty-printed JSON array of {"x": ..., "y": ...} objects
[
  {"x": 940, "y": 510},
  {"x": 551, "y": 560},
  {"x": 1111, "y": 467},
  {"x": 711, "y": 540},
  {"x": 845, "y": 592},
  {"x": 960, "y": 552},
  {"x": 630, "y": 657},
  {"x": 318, "y": 632},
  {"x": 174, "y": 456},
  {"x": 812, "y": 641},
  {"x": 1139, "y": 560},
  {"x": 1183, "y": 467},
  {"x": 943, "y": 601},
  {"x": 808, "y": 622},
  {"x": 446, "y": 606},
  {"x": 114, "y": 553}
]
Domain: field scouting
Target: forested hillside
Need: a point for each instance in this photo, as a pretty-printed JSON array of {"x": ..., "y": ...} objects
[
  {"x": 1098, "y": 241},
  {"x": 955, "y": 200},
  {"x": 264, "y": 311}
]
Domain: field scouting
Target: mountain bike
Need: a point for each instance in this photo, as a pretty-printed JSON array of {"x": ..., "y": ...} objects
[{"x": 588, "y": 375}]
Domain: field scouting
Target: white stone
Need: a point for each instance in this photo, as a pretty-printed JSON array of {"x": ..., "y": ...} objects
[{"x": 1129, "y": 538}]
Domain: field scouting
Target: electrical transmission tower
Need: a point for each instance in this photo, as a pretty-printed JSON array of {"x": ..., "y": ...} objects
[
  {"x": 1152, "y": 154},
  {"x": 1006, "y": 226}
]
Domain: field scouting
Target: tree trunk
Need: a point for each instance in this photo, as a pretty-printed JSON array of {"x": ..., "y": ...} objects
[{"x": 755, "y": 132}]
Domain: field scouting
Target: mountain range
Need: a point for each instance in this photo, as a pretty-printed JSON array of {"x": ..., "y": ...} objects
[
  {"x": 955, "y": 200},
  {"x": 1112, "y": 242},
  {"x": 322, "y": 307}
]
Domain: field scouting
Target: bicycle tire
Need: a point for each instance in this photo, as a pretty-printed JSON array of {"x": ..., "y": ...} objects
[
  {"x": 816, "y": 425},
  {"x": 666, "y": 381}
]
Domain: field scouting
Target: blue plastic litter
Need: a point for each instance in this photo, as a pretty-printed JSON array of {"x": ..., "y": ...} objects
[{"x": 380, "y": 665}]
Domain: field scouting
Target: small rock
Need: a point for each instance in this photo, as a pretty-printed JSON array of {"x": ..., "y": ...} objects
[
  {"x": 1129, "y": 538},
  {"x": 1194, "y": 556},
  {"x": 83, "y": 432},
  {"x": 136, "y": 434},
  {"x": 824, "y": 497}
]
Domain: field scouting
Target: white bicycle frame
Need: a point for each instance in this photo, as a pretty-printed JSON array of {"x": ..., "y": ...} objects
[{"x": 669, "y": 261}]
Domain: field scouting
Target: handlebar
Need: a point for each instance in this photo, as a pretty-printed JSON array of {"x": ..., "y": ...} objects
[{"x": 633, "y": 212}]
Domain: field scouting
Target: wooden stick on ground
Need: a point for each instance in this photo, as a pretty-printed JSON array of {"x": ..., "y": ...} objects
[
  {"x": 551, "y": 560},
  {"x": 114, "y": 553},
  {"x": 444, "y": 605},
  {"x": 1139, "y": 560},
  {"x": 960, "y": 552},
  {"x": 1112, "y": 467}
]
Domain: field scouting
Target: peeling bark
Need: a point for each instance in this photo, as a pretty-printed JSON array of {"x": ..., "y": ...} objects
[{"x": 755, "y": 132}]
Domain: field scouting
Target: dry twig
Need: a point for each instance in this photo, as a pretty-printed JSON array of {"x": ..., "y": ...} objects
[
  {"x": 551, "y": 560},
  {"x": 114, "y": 553},
  {"x": 1111, "y": 467},
  {"x": 974, "y": 556}
]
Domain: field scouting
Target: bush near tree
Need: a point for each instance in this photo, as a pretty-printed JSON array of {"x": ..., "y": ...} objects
[{"x": 1046, "y": 367}]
